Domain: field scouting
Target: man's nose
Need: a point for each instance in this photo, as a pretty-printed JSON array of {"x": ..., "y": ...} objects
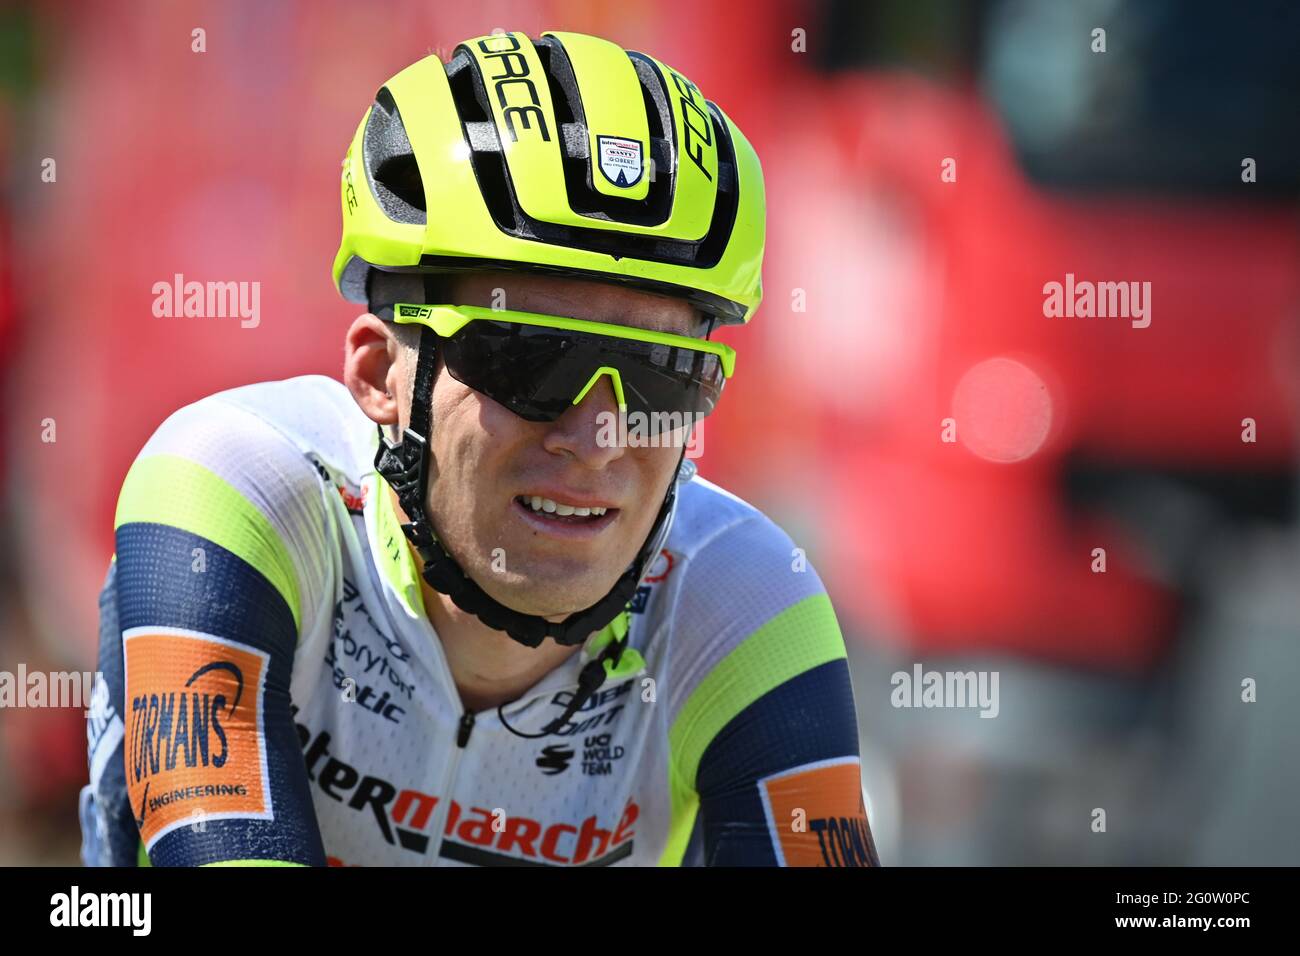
[{"x": 590, "y": 429}]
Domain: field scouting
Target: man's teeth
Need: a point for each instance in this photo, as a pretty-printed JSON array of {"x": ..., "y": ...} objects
[{"x": 538, "y": 503}]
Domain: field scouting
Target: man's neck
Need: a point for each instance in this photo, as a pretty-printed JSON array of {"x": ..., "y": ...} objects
[{"x": 489, "y": 666}]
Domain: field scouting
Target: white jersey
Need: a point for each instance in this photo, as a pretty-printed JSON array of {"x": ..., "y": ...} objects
[{"x": 275, "y": 692}]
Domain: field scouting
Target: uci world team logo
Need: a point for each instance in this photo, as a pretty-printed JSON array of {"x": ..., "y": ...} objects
[
  {"x": 555, "y": 759},
  {"x": 620, "y": 159}
]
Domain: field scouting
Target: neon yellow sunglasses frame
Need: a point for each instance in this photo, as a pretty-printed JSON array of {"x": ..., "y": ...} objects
[{"x": 447, "y": 320}]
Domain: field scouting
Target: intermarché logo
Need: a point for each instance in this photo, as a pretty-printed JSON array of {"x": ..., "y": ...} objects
[{"x": 482, "y": 836}]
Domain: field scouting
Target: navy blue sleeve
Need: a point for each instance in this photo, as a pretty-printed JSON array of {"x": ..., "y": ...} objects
[
  {"x": 208, "y": 764},
  {"x": 780, "y": 784}
]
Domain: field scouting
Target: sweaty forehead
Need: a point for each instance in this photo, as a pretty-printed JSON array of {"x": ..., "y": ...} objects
[{"x": 577, "y": 299}]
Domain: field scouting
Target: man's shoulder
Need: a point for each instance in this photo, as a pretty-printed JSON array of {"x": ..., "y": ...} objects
[
  {"x": 711, "y": 518},
  {"x": 748, "y": 609},
  {"x": 244, "y": 470},
  {"x": 285, "y": 396},
  {"x": 312, "y": 416},
  {"x": 736, "y": 569},
  {"x": 266, "y": 452}
]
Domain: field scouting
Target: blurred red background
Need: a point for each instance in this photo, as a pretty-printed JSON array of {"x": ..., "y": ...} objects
[{"x": 887, "y": 287}]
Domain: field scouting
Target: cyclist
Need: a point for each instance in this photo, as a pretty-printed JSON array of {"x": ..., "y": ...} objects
[{"x": 466, "y": 607}]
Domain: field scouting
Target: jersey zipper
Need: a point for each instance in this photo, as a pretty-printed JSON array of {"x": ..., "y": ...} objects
[{"x": 463, "y": 730}]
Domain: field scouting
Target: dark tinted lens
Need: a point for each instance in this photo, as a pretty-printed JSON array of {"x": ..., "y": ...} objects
[
  {"x": 663, "y": 378},
  {"x": 511, "y": 368},
  {"x": 536, "y": 371}
]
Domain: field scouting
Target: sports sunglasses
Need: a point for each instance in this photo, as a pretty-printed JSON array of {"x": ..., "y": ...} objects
[{"x": 539, "y": 365}]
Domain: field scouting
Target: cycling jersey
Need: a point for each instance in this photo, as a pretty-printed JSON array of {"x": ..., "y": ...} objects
[{"x": 273, "y": 690}]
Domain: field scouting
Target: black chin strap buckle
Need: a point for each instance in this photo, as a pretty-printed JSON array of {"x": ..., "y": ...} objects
[{"x": 405, "y": 466}]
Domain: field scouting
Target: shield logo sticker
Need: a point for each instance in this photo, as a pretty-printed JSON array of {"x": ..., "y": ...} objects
[{"x": 619, "y": 159}]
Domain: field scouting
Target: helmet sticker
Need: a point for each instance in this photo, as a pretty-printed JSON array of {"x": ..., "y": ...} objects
[{"x": 620, "y": 159}]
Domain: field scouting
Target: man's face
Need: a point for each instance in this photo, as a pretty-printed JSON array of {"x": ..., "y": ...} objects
[{"x": 487, "y": 464}]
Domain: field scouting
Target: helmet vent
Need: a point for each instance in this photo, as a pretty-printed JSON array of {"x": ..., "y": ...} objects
[
  {"x": 390, "y": 163},
  {"x": 479, "y": 130},
  {"x": 491, "y": 171},
  {"x": 583, "y": 197},
  {"x": 400, "y": 175}
]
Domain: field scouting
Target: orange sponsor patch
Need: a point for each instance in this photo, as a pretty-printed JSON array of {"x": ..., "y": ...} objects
[
  {"x": 816, "y": 814},
  {"x": 194, "y": 747}
]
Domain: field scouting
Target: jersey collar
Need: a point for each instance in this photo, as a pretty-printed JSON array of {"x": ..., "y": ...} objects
[{"x": 398, "y": 567}]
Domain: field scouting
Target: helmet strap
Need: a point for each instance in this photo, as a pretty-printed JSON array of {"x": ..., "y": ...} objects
[{"x": 405, "y": 466}]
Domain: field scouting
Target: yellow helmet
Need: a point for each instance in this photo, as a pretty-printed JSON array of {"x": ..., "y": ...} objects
[{"x": 565, "y": 155}]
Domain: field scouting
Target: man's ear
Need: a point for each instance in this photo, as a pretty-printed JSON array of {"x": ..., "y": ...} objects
[{"x": 372, "y": 368}]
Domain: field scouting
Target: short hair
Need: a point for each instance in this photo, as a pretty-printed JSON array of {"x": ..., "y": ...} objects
[
  {"x": 436, "y": 289},
  {"x": 408, "y": 339}
]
